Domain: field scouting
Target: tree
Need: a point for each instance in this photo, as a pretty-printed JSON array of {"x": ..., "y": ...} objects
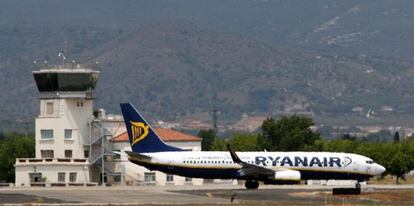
[
  {"x": 219, "y": 145},
  {"x": 208, "y": 137},
  {"x": 14, "y": 146},
  {"x": 399, "y": 165},
  {"x": 340, "y": 145},
  {"x": 244, "y": 142},
  {"x": 287, "y": 134},
  {"x": 238, "y": 142},
  {"x": 397, "y": 158},
  {"x": 396, "y": 137}
]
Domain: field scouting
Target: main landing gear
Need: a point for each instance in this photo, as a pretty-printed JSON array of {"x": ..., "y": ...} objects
[
  {"x": 347, "y": 190},
  {"x": 251, "y": 184}
]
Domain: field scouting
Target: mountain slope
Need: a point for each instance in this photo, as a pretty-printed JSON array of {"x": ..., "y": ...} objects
[{"x": 172, "y": 69}]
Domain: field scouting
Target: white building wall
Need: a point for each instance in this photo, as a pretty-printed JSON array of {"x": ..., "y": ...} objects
[
  {"x": 50, "y": 172},
  {"x": 67, "y": 114}
]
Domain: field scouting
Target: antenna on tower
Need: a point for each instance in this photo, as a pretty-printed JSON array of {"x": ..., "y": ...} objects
[
  {"x": 60, "y": 54},
  {"x": 65, "y": 48}
]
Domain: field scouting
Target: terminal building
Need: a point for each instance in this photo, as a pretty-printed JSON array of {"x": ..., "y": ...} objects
[{"x": 74, "y": 144}]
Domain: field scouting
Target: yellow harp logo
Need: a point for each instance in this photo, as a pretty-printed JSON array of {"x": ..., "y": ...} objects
[{"x": 139, "y": 131}]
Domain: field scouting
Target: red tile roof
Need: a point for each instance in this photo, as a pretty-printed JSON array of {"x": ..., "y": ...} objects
[{"x": 167, "y": 135}]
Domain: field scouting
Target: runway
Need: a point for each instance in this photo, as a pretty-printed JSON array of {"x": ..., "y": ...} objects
[{"x": 206, "y": 195}]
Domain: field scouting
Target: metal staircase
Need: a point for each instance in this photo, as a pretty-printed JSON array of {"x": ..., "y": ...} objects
[{"x": 99, "y": 149}]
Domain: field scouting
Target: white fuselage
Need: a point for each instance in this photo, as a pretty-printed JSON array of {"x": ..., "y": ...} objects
[{"x": 312, "y": 165}]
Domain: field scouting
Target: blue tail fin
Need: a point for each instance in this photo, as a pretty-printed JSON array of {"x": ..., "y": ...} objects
[{"x": 142, "y": 137}]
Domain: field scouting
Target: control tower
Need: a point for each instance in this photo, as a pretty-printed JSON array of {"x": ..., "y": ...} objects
[
  {"x": 66, "y": 94},
  {"x": 66, "y": 108}
]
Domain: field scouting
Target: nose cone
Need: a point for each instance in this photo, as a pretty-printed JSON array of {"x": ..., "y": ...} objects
[{"x": 379, "y": 169}]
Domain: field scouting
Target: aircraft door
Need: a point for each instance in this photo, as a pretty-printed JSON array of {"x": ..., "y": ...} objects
[{"x": 368, "y": 168}]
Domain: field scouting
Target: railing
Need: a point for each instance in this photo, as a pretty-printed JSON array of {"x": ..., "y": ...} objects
[
  {"x": 102, "y": 132},
  {"x": 97, "y": 156},
  {"x": 98, "y": 142},
  {"x": 63, "y": 184},
  {"x": 6, "y": 184},
  {"x": 49, "y": 160}
]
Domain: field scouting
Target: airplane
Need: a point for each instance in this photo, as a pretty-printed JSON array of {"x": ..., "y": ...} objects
[{"x": 149, "y": 151}]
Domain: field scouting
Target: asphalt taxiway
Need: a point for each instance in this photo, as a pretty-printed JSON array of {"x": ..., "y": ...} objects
[{"x": 214, "y": 194}]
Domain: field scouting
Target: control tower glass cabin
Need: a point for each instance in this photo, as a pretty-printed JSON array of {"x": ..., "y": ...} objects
[{"x": 66, "y": 81}]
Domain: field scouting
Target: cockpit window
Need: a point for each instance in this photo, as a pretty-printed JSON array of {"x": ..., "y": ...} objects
[{"x": 370, "y": 162}]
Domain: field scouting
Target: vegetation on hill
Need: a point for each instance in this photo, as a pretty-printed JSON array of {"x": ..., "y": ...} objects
[{"x": 272, "y": 59}]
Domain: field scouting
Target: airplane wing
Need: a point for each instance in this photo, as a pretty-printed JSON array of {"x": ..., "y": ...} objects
[{"x": 250, "y": 169}]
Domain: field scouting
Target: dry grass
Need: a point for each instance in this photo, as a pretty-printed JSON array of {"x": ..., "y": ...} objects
[{"x": 391, "y": 180}]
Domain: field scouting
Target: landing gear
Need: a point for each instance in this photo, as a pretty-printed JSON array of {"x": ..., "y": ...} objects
[
  {"x": 251, "y": 184},
  {"x": 348, "y": 190}
]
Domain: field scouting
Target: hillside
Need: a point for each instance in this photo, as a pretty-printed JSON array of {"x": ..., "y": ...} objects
[
  {"x": 23, "y": 44},
  {"x": 174, "y": 69},
  {"x": 182, "y": 69},
  {"x": 379, "y": 28},
  {"x": 177, "y": 59}
]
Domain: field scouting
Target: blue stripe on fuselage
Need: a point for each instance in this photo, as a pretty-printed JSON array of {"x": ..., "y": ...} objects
[
  {"x": 221, "y": 173},
  {"x": 232, "y": 173}
]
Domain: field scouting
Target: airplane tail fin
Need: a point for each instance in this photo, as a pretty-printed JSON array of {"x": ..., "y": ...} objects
[{"x": 142, "y": 137}]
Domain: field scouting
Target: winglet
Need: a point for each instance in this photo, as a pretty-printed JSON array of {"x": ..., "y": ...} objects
[{"x": 233, "y": 155}]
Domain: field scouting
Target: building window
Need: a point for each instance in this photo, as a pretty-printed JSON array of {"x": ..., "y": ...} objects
[
  {"x": 86, "y": 153},
  {"x": 79, "y": 104},
  {"x": 68, "y": 134},
  {"x": 46, "y": 153},
  {"x": 149, "y": 177},
  {"x": 170, "y": 178},
  {"x": 49, "y": 108},
  {"x": 68, "y": 153},
  {"x": 46, "y": 134},
  {"x": 61, "y": 176},
  {"x": 188, "y": 179},
  {"x": 72, "y": 176},
  {"x": 35, "y": 177}
]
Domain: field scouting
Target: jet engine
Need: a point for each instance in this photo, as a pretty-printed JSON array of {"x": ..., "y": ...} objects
[{"x": 285, "y": 177}]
